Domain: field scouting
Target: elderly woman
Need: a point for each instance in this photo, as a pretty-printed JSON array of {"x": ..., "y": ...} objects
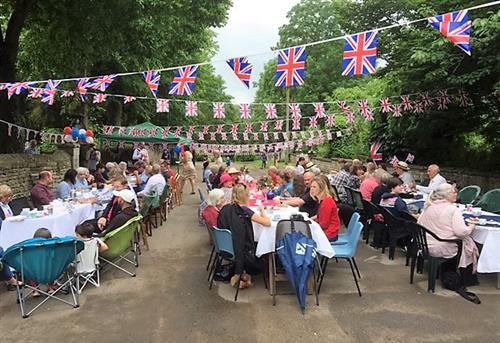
[
  {"x": 215, "y": 202},
  {"x": 5, "y": 198},
  {"x": 82, "y": 178},
  {"x": 238, "y": 218},
  {"x": 443, "y": 218}
]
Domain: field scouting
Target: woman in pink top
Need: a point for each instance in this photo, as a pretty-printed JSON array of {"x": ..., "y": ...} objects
[{"x": 443, "y": 218}]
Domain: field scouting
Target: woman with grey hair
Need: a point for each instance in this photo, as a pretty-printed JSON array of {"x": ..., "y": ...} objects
[
  {"x": 215, "y": 201},
  {"x": 443, "y": 218}
]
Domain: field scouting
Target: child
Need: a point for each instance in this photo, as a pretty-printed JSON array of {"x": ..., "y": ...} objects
[
  {"x": 85, "y": 231},
  {"x": 228, "y": 162},
  {"x": 88, "y": 259}
]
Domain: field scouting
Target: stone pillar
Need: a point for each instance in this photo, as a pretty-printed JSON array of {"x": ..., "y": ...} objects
[{"x": 74, "y": 151}]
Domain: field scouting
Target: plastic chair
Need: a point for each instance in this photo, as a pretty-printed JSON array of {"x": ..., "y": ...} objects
[
  {"x": 223, "y": 244},
  {"x": 468, "y": 195},
  {"x": 344, "y": 237},
  {"x": 490, "y": 201},
  {"x": 420, "y": 253},
  {"x": 18, "y": 203},
  {"x": 87, "y": 266},
  {"x": 146, "y": 211},
  {"x": 122, "y": 242},
  {"x": 347, "y": 252},
  {"x": 43, "y": 261},
  {"x": 395, "y": 229}
]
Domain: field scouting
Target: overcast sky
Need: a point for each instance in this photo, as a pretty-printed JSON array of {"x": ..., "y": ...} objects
[{"x": 252, "y": 28}]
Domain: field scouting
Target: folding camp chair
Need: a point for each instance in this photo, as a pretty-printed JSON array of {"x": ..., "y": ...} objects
[
  {"x": 121, "y": 243},
  {"x": 87, "y": 265},
  {"x": 40, "y": 261}
]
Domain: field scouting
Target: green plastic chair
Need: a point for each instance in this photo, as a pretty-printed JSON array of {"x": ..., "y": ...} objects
[
  {"x": 468, "y": 195},
  {"x": 122, "y": 242},
  {"x": 490, "y": 201}
]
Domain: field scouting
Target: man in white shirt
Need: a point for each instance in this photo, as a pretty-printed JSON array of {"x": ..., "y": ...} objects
[
  {"x": 156, "y": 183},
  {"x": 137, "y": 155},
  {"x": 435, "y": 179}
]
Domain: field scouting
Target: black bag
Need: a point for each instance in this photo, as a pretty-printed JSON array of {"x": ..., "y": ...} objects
[
  {"x": 452, "y": 280},
  {"x": 224, "y": 272}
]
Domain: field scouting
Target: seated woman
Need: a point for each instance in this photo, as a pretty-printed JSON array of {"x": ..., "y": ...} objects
[
  {"x": 226, "y": 185},
  {"x": 215, "y": 202},
  {"x": 442, "y": 217},
  {"x": 328, "y": 213},
  {"x": 238, "y": 218},
  {"x": 285, "y": 184},
  {"x": 81, "y": 179},
  {"x": 65, "y": 187},
  {"x": 5, "y": 198},
  {"x": 392, "y": 199},
  {"x": 245, "y": 177}
]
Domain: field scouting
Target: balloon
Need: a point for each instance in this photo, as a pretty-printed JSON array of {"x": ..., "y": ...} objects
[
  {"x": 67, "y": 130},
  {"x": 83, "y": 137},
  {"x": 90, "y": 140},
  {"x": 177, "y": 149},
  {"x": 89, "y": 133},
  {"x": 75, "y": 132},
  {"x": 68, "y": 138},
  {"x": 82, "y": 132}
]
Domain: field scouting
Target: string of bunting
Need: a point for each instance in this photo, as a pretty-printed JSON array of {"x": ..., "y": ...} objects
[
  {"x": 21, "y": 131},
  {"x": 359, "y": 58}
]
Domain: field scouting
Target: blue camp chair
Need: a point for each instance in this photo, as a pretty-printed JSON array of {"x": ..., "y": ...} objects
[
  {"x": 43, "y": 261},
  {"x": 347, "y": 251},
  {"x": 344, "y": 237},
  {"x": 223, "y": 244}
]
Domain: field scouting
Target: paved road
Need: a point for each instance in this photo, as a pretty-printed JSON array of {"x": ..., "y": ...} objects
[{"x": 169, "y": 301}]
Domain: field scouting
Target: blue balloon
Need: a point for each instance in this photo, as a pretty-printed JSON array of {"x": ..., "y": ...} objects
[
  {"x": 83, "y": 137},
  {"x": 178, "y": 149},
  {"x": 75, "y": 132}
]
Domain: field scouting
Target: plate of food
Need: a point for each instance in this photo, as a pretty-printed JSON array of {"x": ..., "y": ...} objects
[{"x": 472, "y": 220}]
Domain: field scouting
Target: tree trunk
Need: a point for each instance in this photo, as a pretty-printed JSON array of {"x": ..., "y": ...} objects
[{"x": 9, "y": 44}]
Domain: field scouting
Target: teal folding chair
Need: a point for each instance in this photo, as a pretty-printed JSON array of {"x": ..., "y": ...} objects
[{"x": 468, "y": 195}]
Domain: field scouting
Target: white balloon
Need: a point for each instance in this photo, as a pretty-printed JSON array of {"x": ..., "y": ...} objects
[
  {"x": 90, "y": 140},
  {"x": 83, "y": 131},
  {"x": 68, "y": 138}
]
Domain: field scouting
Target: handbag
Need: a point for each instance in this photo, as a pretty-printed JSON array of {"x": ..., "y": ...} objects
[{"x": 453, "y": 281}]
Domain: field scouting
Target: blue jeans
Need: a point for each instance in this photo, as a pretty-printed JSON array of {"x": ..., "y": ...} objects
[{"x": 5, "y": 273}]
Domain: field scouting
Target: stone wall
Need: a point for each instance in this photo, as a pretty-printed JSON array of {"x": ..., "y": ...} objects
[
  {"x": 16, "y": 169},
  {"x": 486, "y": 181}
]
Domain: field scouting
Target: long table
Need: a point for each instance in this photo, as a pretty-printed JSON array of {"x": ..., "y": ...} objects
[{"x": 61, "y": 223}]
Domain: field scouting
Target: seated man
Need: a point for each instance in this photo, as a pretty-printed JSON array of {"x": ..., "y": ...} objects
[
  {"x": 141, "y": 176},
  {"x": 125, "y": 200},
  {"x": 113, "y": 207},
  {"x": 42, "y": 193},
  {"x": 341, "y": 180},
  {"x": 435, "y": 179},
  {"x": 305, "y": 203},
  {"x": 156, "y": 183}
]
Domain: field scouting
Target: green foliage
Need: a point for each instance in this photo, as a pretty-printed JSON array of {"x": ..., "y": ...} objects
[{"x": 49, "y": 147}]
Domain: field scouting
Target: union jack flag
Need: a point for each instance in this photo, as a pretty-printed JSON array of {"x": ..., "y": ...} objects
[
  {"x": 350, "y": 116},
  {"x": 191, "y": 109},
  {"x": 265, "y": 135},
  {"x": 263, "y": 126},
  {"x": 177, "y": 131},
  {"x": 67, "y": 94},
  {"x": 330, "y": 120},
  {"x": 205, "y": 129},
  {"x": 455, "y": 26},
  {"x": 201, "y": 136},
  {"x": 276, "y": 136},
  {"x": 219, "y": 128},
  {"x": 219, "y": 110},
  {"x": 319, "y": 109},
  {"x": 212, "y": 136},
  {"x": 271, "y": 112},
  {"x": 35, "y": 93},
  {"x": 396, "y": 111},
  {"x": 183, "y": 82},
  {"x": 463, "y": 97},
  {"x": 343, "y": 106},
  {"x": 427, "y": 100},
  {"x": 191, "y": 129},
  {"x": 444, "y": 97},
  {"x": 295, "y": 109},
  {"x": 81, "y": 86},
  {"x": 166, "y": 132},
  {"x": 249, "y": 128},
  {"x": 128, "y": 99},
  {"x": 366, "y": 111},
  {"x": 162, "y": 105},
  {"x": 49, "y": 93},
  {"x": 406, "y": 102},
  {"x": 290, "y": 70},
  {"x": 245, "y": 112},
  {"x": 242, "y": 68},
  {"x": 418, "y": 107},
  {"x": 255, "y": 136},
  {"x": 296, "y": 124},
  {"x": 152, "y": 79},
  {"x": 410, "y": 158},
  {"x": 360, "y": 54},
  {"x": 313, "y": 122},
  {"x": 442, "y": 105},
  {"x": 103, "y": 82},
  {"x": 223, "y": 136},
  {"x": 16, "y": 88},
  {"x": 394, "y": 161},
  {"x": 385, "y": 103},
  {"x": 278, "y": 125},
  {"x": 234, "y": 136},
  {"x": 153, "y": 132},
  {"x": 98, "y": 98},
  {"x": 245, "y": 136}
]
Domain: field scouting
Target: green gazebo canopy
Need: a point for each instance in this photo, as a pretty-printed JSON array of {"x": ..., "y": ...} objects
[{"x": 146, "y": 132}]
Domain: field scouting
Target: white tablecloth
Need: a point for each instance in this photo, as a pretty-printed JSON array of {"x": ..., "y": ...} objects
[
  {"x": 266, "y": 236},
  {"x": 60, "y": 224},
  {"x": 489, "y": 259}
]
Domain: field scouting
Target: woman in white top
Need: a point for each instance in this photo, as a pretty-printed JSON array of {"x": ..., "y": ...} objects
[{"x": 5, "y": 198}]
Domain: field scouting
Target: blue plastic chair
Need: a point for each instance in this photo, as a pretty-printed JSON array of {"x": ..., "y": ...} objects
[
  {"x": 347, "y": 252},
  {"x": 344, "y": 237},
  {"x": 43, "y": 261},
  {"x": 223, "y": 244}
]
